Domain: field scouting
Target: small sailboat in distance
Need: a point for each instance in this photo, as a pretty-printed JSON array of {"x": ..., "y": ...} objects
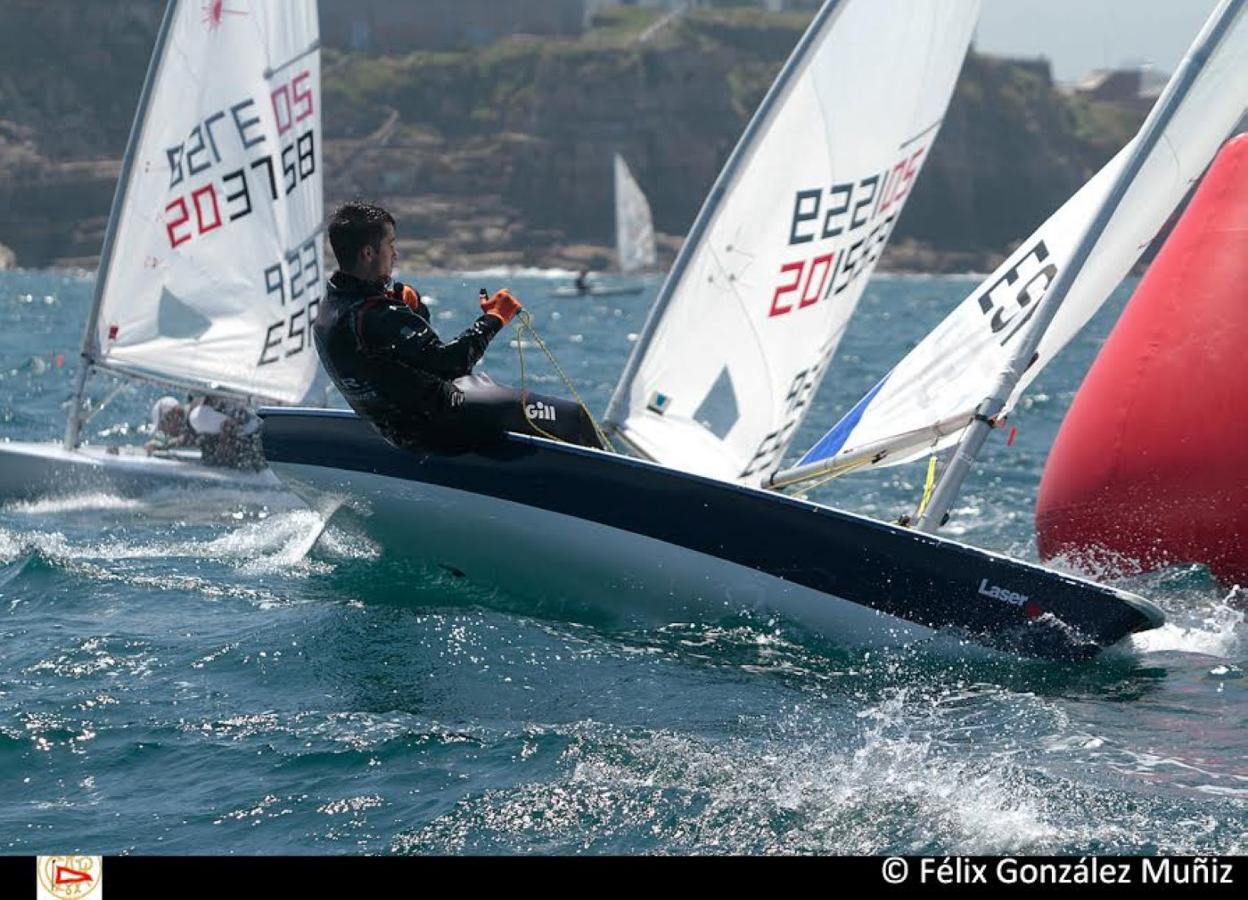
[
  {"x": 634, "y": 239},
  {"x": 634, "y": 226},
  {"x": 212, "y": 267}
]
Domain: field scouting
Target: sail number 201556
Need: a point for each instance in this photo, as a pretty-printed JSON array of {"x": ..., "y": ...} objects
[{"x": 841, "y": 214}]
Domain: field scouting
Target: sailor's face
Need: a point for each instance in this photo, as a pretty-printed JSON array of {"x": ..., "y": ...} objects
[
  {"x": 377, "y": 263},
  {"x": 173, "y": 422},
  {"x": 386, "y": 254}
]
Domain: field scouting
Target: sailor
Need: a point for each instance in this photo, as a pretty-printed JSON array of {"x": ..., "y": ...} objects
[
  {"x": 169, "y": 427},
  {"x": 378, "y": 347},
  {"x": 582, "y": 282},
  {"x": 226, "y": 433}
]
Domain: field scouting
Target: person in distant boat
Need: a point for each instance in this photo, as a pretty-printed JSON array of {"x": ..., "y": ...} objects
[
  {"x": 582, "y": 282},
  {"x": 378, "y": 347},
  {"x": 226, "y": 433}
]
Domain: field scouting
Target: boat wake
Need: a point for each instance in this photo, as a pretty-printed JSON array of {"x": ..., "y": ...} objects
[
  {"x": 1198, "y": 626},
  {"x": 88, "y": 502},
  {"x": 268, "y": 545},
  {"x": 186, "y": 504},
  {"x": 894, "y": 777}
]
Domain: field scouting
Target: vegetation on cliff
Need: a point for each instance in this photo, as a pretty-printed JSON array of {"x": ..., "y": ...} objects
[{"x": 503, "y": 154}]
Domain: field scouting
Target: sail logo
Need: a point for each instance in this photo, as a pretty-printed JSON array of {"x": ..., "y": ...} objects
[
  {"x": 1000, "y": 593},
  {"x": 214, "y": 13},
  {"x": 1009, "y": 304},
  {"x": 539, "y": 411}
]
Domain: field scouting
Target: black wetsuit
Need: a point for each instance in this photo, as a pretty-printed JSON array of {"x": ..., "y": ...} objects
[{"x": 393, "y": 369}]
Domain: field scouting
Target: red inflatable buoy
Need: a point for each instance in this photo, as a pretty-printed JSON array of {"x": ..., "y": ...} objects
[{"x": 1150, "y": 467}]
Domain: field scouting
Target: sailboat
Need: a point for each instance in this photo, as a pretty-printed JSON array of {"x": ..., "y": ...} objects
[
  {"x": 966, "y": 376},
  {"x": 634, "y": 237},
  {"x": 634, "y": 227},
  {"x": 736, "y": 343},
  {"x": 212, "y": 267}
]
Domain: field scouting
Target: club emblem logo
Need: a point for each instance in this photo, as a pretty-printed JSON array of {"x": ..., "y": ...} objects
[{"x": 71, "y": 877}]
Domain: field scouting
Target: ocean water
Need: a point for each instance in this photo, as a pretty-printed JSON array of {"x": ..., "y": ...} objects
[{"x": 201, "y": 673}]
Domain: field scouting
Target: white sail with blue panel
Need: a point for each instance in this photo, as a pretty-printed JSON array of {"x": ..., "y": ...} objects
[
  {"x": 934, "y": 394},
  {"x": 777, "y": 259}
]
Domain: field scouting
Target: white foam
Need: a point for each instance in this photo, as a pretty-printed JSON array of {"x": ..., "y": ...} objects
[
  {"x": 275, "y": 544},
  {"x": 799, "y": 791},
  {"x": 52, "y": 506},
  {"x": 1208, "y": 628},
  {"x": 10, "y": 547}
]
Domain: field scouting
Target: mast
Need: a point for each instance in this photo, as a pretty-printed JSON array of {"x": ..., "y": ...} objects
[
  {"x": 73, "y": 427},
  {"x": 1150, "y": 135}
]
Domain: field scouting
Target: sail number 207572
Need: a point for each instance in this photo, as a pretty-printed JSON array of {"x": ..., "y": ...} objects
[{"x": 223, "y": 139}]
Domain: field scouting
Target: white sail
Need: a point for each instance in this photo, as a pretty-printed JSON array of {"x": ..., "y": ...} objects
[
  {"x": 634, "y": 230},
  {"x": 775, "y": 263},
  {"x": 926, "y": 402},
  {"x": 213, "y": 269}
]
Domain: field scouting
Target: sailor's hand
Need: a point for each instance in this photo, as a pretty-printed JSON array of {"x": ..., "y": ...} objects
[
  {"x": 502, "y": 306},
  {"x": 409, "y": 295}
]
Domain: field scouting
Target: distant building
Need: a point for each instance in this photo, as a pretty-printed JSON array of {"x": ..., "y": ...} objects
[{"x": 1129, "y": 84}]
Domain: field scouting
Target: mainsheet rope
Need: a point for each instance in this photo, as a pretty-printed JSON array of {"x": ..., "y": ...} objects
[{"x": 526, "y": 325}]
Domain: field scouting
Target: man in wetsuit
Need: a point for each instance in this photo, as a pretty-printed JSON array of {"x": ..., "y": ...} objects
[{"x": 379, "y": 349}]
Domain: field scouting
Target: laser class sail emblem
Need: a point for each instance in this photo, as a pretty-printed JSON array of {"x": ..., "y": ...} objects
[
  {"x": 71, "y": 877},
  {"x": 215, "y": 12}
]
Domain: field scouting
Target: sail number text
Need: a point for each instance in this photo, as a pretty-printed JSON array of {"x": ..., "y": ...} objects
[
  {"x": 841, "y": 213},
  {"x": 204, "y": 208},
  {"x": 296, "y": 282}
]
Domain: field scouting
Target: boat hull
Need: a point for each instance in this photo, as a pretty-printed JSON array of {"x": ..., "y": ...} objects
[
  {"x": 574, "y": 526},
  {"x": 620, "y": 291},
  {"x": 31, "y": 470}
]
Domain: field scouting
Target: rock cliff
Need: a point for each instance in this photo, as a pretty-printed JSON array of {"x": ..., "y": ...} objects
[{"x": 502, "y": 155}]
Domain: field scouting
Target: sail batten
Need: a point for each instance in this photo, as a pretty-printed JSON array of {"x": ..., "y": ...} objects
[{"x": 773, "y": 268}]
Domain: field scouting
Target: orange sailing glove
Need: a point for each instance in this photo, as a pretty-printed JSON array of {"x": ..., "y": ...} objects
[
  {"x": 502, "y": 306},
  {"x": 410, "y": 297}
]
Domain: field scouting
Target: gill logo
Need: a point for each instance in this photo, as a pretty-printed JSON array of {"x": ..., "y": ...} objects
[{"x": 540, "y": 411}]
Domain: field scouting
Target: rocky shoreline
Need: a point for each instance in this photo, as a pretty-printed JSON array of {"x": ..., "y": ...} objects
[{"x": 501, "y": 156}]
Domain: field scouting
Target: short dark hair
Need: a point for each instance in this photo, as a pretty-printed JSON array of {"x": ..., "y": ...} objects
[{"x": 355, "y": 226}]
